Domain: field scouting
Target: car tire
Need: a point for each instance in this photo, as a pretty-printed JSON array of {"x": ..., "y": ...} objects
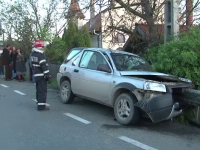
[
  {"x": 123, "y": 106},
  {"x": 66, "y": 94}
]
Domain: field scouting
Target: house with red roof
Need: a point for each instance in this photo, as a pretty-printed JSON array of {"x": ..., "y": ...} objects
[
  {"x": 102, "y": 33},
  {"x": 100, "y": 26}
]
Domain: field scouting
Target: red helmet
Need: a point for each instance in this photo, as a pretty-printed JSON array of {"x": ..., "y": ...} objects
[{"x": 38, "y": 43}]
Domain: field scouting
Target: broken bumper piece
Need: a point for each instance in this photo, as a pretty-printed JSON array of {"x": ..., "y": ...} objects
[
  {"x": 160, "y": 108},
  {"x": 175, "y": 112}
]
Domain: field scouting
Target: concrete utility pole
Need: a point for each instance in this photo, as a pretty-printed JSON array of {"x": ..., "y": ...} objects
[
  {"x": 171, "y": 27},
  {"x": 92, "y": 10},
  {"x": 101, "y": 30}
]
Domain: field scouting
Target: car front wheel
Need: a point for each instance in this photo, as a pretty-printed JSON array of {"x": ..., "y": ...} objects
[
  {"x": 125, "y": 111},
  {"x": 66, "y": 93}
]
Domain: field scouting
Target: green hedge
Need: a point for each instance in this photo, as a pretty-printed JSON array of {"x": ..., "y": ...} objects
[
  {"x": 180, "y": 57},
  {"x": 56, "y": 51}
]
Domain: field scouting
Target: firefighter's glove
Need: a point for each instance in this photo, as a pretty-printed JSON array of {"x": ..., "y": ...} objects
[{"x": 47, "y": 77}]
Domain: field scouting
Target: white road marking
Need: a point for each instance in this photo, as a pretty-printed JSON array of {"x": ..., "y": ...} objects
[
  {"x": 48, "y": 105},
  {"x": 77, "y": 118},
  {"x": 136, "y": 143},
  {"x": 4, "y": 85},
  {"x": 34, "y": 100},
  {"x": 16, "y": 91}
]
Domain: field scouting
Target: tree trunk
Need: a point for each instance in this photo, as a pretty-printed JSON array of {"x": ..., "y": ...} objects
[{"x": 152, "y": 30}]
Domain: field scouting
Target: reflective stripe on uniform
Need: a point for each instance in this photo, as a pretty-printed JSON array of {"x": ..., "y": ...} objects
[
  {"x": 46, "y": 71},
  {"x": 37, "y": 75},
  {"x": 41, "y": 104},
  {"x": 41, "y": 61},
  {"x": 35, "y": 65}
]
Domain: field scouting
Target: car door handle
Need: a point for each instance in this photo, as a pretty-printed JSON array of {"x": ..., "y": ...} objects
[{"x": 76, "y": 70}]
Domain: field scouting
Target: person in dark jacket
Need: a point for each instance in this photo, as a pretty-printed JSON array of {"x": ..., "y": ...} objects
[
  {"x": 14, "y": 64},
  {"x": 6, "y": 60},
  {"x": 41, "y": 73},
  {"x": 13, "y": 56},
  {"x": 20, "y": 66}
]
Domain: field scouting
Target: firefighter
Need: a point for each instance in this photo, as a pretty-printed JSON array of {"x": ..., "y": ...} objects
[{"x": 41, "y": 73}]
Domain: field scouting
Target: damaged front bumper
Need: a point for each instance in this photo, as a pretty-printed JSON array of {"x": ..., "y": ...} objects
[
  {"x": 159, "y": 108},
  {"x": 175, "y": 111}
]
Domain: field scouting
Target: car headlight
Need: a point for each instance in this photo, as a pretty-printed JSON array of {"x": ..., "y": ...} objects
[{"x": 153, "y": 86}]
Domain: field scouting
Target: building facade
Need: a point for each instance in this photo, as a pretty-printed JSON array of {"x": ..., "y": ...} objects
[{"x": 104, "y": 26}]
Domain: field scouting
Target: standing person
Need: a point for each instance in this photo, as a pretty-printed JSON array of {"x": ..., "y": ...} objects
[
  {"x": 14, "y": 64},
  {"x": 13, "y": 57},
  {"x": 1, "y": 64},
  {"x": 6, "y": 60},
  {"x": 11, "y": 61},
  {"x": 20, "y": 66},
  {"x": 41, "y": 73}
]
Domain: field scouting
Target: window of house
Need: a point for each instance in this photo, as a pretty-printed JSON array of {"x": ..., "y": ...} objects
[{"x": 119, "y": 38}]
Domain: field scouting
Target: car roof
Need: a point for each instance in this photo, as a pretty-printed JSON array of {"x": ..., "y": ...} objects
[
  {"x": 104, "y": 50},
  {"x": 80, "y": 48}
]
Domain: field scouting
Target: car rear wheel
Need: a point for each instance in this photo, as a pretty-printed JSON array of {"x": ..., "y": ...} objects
[
  {"x": 125, "y": 111},
  {"x": 66, "y": 93}
]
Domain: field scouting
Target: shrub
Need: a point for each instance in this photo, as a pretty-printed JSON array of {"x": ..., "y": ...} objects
[
  {"x": 180, "y": 57},
  {"x": 56, "y": 51}
]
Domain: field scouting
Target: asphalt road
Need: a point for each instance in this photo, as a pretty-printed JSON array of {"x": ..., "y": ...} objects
[{"x": 82, "y": 125}]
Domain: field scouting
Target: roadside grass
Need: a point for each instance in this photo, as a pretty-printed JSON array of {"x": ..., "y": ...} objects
[
  {"x": 186, "y": 116},
  {"x": 53, "y": 84},
  {"x": 27, "y": 77}
]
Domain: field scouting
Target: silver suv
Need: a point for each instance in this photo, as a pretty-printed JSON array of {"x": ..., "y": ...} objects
[{"x": 123, "y": 81}]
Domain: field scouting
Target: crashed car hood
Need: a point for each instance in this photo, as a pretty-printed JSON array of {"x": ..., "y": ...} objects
[{"x": 151, "y": 74}]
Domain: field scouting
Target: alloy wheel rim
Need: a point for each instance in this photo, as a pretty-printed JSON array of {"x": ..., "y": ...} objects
[
  {"x": 123, "y": 109},
  {"x": 65, "y": 92}
]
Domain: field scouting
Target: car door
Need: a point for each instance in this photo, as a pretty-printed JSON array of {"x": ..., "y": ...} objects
[{"x": 90, "y": 82}]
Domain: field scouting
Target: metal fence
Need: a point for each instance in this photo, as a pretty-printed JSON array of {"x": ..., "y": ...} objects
[{"x": 54, "y": 69}]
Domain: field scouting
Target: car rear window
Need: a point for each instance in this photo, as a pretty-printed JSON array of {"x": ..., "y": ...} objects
[{"x": 72, "y": 54}]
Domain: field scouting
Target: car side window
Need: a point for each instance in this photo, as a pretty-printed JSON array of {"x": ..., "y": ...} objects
[
  {"x": 91, "y": 60},
  {"x": 85, "y": 59},
  {"x": 72, "y": 54}
]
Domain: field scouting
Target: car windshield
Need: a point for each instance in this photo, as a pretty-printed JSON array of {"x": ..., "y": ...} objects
[{"x": 126, "y": 62}]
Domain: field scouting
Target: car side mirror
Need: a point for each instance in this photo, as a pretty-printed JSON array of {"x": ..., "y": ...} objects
[{"x": 104, "y": 68}]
